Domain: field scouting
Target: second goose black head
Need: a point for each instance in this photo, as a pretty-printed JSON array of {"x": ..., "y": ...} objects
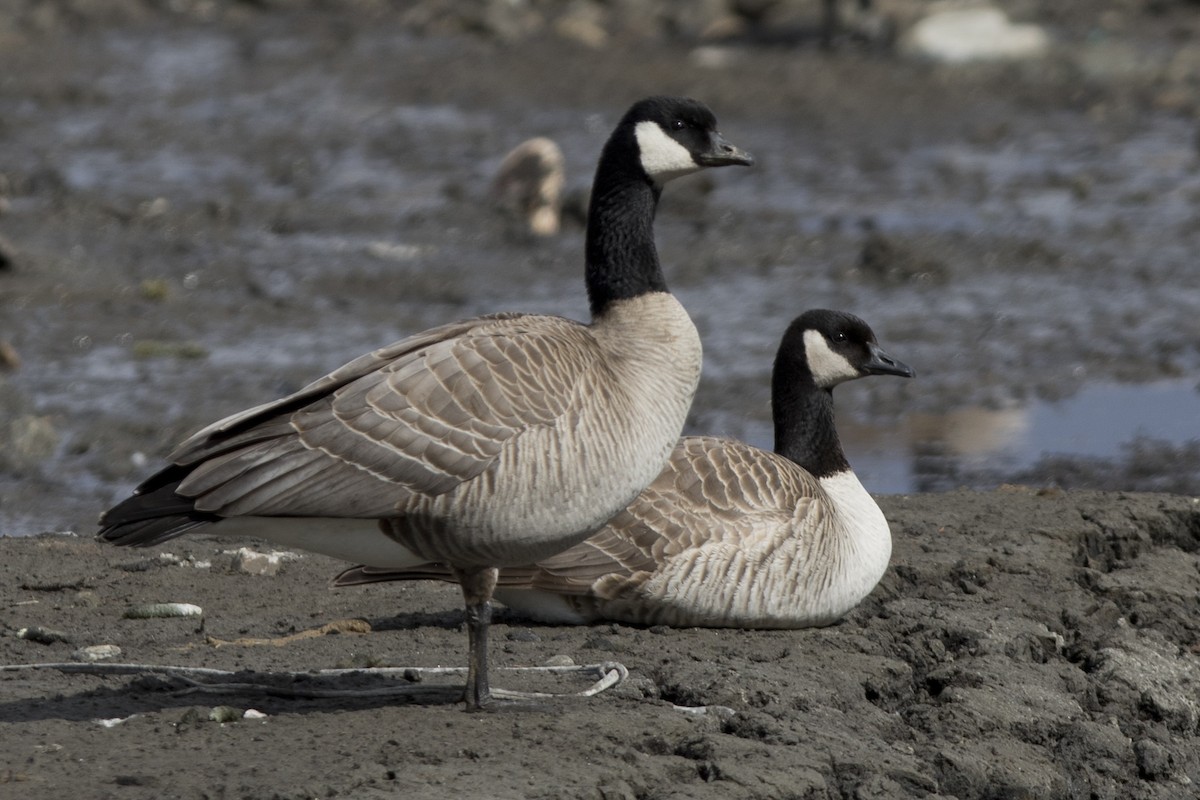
[
  {"x": 835, "y": 347},
  {"x": 820, "y": 350}
]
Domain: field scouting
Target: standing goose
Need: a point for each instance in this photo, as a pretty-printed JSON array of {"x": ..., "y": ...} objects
[
  {"x": 730, "y": 535},
  {"x": 485, "y": 443}
]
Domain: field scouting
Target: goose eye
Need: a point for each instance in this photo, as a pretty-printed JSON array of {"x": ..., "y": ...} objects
[
  {"x": 838, "y": 337},
  {"x": 678, "y": 125}
]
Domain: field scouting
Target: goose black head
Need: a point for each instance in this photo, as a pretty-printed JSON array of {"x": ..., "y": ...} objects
[
  {"x": 837, "y": 346},
  {"x": 674, "y": 136}
]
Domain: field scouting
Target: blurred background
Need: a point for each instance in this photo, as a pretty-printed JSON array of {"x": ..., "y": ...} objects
[{"x": 205, "y": 205}]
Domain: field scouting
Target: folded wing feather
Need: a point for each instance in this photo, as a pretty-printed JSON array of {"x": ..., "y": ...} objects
[{"x": 419, "y": 417}]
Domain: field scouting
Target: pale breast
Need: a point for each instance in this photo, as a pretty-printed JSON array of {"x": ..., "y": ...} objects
[{"x": 552, "y": 485}]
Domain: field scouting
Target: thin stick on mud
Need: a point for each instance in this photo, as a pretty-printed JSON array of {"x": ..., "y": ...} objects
[{"x": 609, "y": 674}]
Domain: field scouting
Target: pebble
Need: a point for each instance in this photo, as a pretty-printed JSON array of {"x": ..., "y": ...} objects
[
  {"x": 155, "y": 610},
  {"x": 559, "y": 661},
  {"x": 225, "y": 714},
  {"x": 253, "y": 562},
  {"x": 36, "y": 633},
  {"x": 112, "y": 722},
  {"x": 96, "y": 652}
]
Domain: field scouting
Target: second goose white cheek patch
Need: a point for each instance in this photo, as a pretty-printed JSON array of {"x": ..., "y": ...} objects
[
  {"x": 662, "y": 157},
  {"x": 828, "y": 368}
]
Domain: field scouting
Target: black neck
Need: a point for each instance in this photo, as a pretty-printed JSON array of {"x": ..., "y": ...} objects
[
  {"x": 804, "y": 424},
  {"x": 622, "y": 261}
]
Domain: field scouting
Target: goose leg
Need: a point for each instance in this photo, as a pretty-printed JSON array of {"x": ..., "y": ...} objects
[{"x": 477, "y": 586}]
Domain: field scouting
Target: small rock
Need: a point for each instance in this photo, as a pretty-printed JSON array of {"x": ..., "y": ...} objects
[
  {"x": 225, "y": 714},
  {"x": 36, "y": 633},
  {"x": 253, "y": 562},
  {"x": 189, "y": 719},
  {"x": 96, "y": 652},
  {"x": 112, "y": 722},
  {"x": 253, "y": 713},
  {"x": 962, "y": 35},
  {"x": 559, "y": 661},
  {"x": 160, "y": 610}
]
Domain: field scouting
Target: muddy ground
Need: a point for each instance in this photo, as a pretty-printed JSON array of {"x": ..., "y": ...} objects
[
  {"x": 1023, "y": 645},
  {"x": 205, "y": 205}
]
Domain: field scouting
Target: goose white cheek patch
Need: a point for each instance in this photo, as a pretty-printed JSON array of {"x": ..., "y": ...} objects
[
  {"x": 828, "y": 368},
  {"x": 662, "y": 157}
]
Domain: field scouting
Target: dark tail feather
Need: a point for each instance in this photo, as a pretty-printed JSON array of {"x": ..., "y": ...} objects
[
  {"x": 510, "y": 577},
  {"x": 154, "y": 513},
  {"x": 148, "y": 533},
  {"x": 357, "y": 576}
]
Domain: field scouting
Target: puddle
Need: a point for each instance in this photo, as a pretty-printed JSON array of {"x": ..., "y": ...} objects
[{"x": 1097, "y": 423}]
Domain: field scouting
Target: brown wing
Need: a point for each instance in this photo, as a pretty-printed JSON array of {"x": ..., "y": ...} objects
[
  {"x": 421, "y": 416},
  {"x": 713, "y": 491}
]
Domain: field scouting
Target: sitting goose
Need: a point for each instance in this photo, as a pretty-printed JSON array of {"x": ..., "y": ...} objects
[
  {"x": 730, "y": 535},
  {"x": 485, "y": 443}
]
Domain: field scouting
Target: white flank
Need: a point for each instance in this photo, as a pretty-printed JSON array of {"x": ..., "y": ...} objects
[
  {"x": 867, "y": 540},
  {"x": 540, "y": 605},
  {"x": 662, "y": 157},
  {"x": 359, "y": 541},
  {"x": 828, "y": 368}
]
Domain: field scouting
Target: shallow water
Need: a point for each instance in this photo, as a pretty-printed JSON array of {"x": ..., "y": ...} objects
[
  {"x": 1099, "y": 422},
  {"x": 301, "y": 215}
]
